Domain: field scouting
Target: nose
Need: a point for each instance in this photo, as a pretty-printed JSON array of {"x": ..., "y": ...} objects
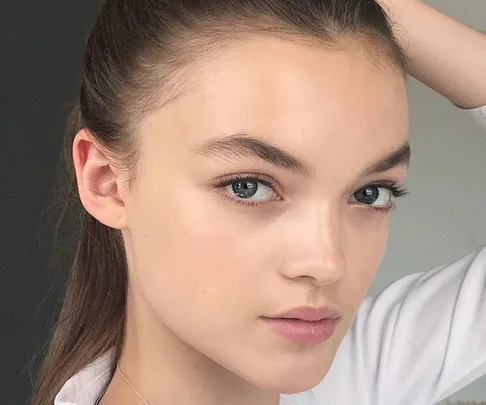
[{"x": 315, "y": 247}]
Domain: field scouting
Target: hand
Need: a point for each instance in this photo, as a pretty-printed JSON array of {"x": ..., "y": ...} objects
[
  {"x": 446, "y": 55},
  {"x": 390, "y": 5}
]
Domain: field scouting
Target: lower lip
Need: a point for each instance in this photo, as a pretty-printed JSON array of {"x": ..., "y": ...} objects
[{"x": 299, "y": 331}]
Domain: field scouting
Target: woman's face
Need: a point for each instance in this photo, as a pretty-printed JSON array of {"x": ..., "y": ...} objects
[{"x": 211, "y": 251}]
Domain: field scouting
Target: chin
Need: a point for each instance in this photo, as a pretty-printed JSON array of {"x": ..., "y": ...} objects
[
  {"x": 300, "y": 383},
  {"x": 297, "y": 379}
]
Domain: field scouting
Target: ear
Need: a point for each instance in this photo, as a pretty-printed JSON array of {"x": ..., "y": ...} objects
[{"x": 99, "y": 183}]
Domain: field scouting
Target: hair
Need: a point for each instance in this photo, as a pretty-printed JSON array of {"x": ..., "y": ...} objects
[{"x": 134, "y": 62}]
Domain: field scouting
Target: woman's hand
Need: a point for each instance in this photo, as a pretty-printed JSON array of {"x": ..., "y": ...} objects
[
  {"x": 446, "y": 55},
  {"x": 390, "y": 6}
]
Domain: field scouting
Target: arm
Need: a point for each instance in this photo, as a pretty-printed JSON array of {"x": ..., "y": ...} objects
[{"x": 446, "y": 55}]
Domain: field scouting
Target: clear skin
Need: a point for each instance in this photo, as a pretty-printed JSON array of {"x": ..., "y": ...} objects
[{"x": 203, "y": 269}]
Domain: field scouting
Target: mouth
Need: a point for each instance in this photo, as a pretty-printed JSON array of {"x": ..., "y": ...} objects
[
  {"x": 299, "y": 331},
  {"x": 305, "y": 325}
]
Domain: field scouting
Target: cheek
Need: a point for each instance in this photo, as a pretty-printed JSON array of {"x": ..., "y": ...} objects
[
  {"x": 365, "y": 246},
  {"x": 365, "y": 250},
  {"x": 190, "y": 256}
]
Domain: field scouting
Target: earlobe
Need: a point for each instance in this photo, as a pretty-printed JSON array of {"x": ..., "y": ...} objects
[{"x": 98, "y": 182}]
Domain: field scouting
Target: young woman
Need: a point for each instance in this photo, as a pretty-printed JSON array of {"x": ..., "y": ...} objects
[{"x": 237, "y": 161}]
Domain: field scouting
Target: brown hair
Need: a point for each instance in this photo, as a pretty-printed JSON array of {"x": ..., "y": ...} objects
[{"x": 135, "y": 47}]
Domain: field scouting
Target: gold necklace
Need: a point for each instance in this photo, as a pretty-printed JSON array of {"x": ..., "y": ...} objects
[{"x": 131, "y": 386}]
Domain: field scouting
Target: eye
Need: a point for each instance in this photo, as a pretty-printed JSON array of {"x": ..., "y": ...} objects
[
  {"x": 379, "y": 196},
  {"x": 373, "y": 195},
  {"x": 248, "y": 189}
]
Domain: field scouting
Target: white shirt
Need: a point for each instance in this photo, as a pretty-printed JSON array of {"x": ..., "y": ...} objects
[{"x": 419, "y": 341}]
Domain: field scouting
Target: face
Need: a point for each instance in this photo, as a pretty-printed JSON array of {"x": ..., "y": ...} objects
[{"x": 219, "y": 236}]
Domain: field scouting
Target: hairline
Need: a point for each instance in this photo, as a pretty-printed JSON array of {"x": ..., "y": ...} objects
[{"x": 212, "y": 40}]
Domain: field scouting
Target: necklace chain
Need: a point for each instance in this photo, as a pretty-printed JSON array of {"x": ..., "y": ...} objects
[{"x": 131, "y": 386}]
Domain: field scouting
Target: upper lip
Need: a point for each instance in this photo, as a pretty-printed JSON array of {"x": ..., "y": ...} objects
[{"x": 306, "y": 313}]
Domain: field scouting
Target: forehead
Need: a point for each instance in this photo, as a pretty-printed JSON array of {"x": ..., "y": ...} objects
[
  {"x": 304, "y": 97},
  {"x": 277, "y": 74}
]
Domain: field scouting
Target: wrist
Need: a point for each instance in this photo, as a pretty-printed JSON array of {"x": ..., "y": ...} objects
[{"x": 402, "y": 14}]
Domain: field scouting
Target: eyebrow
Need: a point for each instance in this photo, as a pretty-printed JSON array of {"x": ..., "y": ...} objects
[{"x": 251, "y": 147}]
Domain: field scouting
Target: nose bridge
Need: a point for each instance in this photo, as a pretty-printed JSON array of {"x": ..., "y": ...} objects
[
  {"x": 318, "y": 244},
  {"x": 329, "y": 233}
]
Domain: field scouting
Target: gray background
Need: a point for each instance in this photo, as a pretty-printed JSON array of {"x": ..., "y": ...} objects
[
  {"x": 41, "y": 48},
  {"x": 444, "y": 216}
]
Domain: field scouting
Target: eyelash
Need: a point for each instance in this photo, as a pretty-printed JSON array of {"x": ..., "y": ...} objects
[{"x": 397, "y": 190}]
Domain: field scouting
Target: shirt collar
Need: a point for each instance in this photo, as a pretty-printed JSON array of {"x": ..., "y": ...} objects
[{"x": 87, "y": 385}]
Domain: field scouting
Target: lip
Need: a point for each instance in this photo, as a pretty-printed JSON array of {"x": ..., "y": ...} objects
[
  {"x": 310, "y": 313},
  {"x": 305, "y": 324},
  {"x": 306, "y": 332}
]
